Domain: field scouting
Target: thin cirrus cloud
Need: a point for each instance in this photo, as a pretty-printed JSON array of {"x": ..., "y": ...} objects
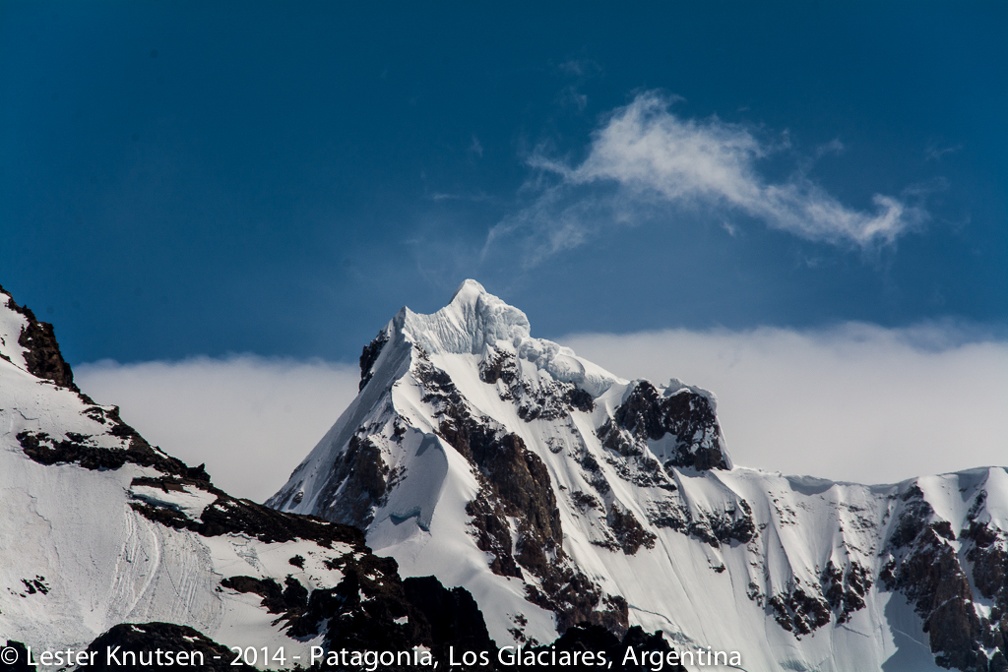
[{"x": 645, "y": 159}]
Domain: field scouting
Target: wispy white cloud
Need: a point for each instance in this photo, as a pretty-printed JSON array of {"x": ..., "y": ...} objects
[
  {"x": 579, "y": 71},
  {"x": 935, "y": 151},
  {"x": 645, "y": 158},
  {"x": 474, "y": 197},
  {"x": 476, "y": 147},
  {"x": 855, "y": 402},
  {"x": 571, "y": 96},
  {"x": 250, "y": 419},
  {"x": 578, "y": 67}
]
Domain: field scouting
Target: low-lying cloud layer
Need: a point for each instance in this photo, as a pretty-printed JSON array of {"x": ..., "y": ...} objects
[
  {"x": 250, "y": 419},
  {"x": 855, "y": 402},
  {"x": 645, "y": 158}
]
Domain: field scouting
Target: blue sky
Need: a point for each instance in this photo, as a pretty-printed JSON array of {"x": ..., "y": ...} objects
[
  {"x": 802, "y": 206},
  {"x": 277, "y": 179}
]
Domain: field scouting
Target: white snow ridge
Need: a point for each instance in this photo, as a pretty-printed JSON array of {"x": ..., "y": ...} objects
[
  {"x": 558, "y": 493},
  {"x": 99, "y": 528},
  {"x": 106, "y": 540},
  {"x": 554, "y": 492}
]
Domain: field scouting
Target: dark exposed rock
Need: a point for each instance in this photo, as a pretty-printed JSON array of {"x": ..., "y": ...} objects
[
  {"x": 800, "y": 611},
  {"x": 845, "y": 591},
  {"x": 584, "y": 501},
  {"x": 538, "y": 400},
  {"x": 228, "y": 515},
  {"x": 686, "y": 415},
  {"x": 42, "y": 354},
  {"x": 516, "y": 475},
  {"x": 575, "y": 599},
  {"x": 419, "y": 611},
  {"x": 641, "y": 470},
  {"x": 78, "y": 449},
  {"x": 35, "y": 586},
  {"x": 928, "y": 569},
  {"x": 20, "y": 661},
  {"x": 672, "y": 514},
  {"x": 292, "y": 597},
  {"x": 131, "y": 642},
  {"x": 629, "y": 533},
  {"x": 515, "y": 483},
  {"x": 593, "y": 472},
  {"x": 714, "y": 528},
  {"x": 372, "y": 609},
  {"x": 493, "y": 535},
  {"x": 579, "y": 399},
  {"x": 369, "y": 356},
  {"x": 990, "y": 576},
  {"x": 499, "y": 366},
  {"x": 915, "y": 511},
  {"x": 452, "y": 615},
  {"x": 360, "y": 477}
]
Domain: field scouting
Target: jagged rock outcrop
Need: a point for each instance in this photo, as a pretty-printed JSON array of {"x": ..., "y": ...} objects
[
  {"x": 40, "y": 351},
  {"x": 683, "y": 419},
  {"x": 957, "y": 583}
]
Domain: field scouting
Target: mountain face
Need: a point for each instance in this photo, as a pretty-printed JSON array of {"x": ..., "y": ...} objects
[
  {"x": 106, "y": 541},
  {"x": 559, "y": 494}
]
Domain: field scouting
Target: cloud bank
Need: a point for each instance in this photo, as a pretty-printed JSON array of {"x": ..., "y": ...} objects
[
  {"x": 855, "y": 402},
  {"x": 646, "y": 159},
  {"x": 250, "y": 419}
]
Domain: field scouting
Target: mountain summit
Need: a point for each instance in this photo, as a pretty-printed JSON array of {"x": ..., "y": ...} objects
[{"x": 558, "y": 494}]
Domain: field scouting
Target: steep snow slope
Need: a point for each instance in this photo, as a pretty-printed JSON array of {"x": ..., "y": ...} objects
[
  {"x": 97, "y": 517},
  {"x": 99, "y": 528},
  {"x": 559, "y": 493}
]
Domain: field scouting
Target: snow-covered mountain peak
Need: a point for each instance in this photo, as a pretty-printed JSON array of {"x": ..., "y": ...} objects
[
  {"x": 476, "y": 322},
  {"x": 468, "y": 428},
  {"x": 559, "y": 493},
  {"x": 473, "y": 321}
]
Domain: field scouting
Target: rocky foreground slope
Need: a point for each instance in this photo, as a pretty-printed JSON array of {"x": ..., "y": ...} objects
[
  {"x": 109, "y": 544},
  {"x": 558, "y": 493}
]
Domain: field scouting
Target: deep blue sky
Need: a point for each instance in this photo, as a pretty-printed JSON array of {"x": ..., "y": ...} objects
[{"x": 278, "y": 178}]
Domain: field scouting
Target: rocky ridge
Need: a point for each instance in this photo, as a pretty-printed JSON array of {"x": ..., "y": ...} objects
[
  {"x": 122, "y": 546},
  {"x": 558, "y": 493}
]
